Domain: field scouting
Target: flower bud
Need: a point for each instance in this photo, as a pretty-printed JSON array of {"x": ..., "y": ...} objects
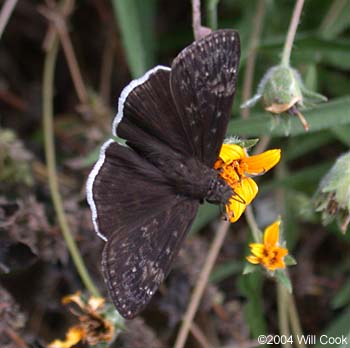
[
  {"x": 282, "y": 90},
  {"x": 332, "y": 198}
]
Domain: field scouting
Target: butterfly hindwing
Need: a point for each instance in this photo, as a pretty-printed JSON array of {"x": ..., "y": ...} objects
[
  {"x": 142, "y": 220},
  {"x": 203, "y": 84},
  {"x": 123, "y": 188},
  {"x": 136, "y": 260}
]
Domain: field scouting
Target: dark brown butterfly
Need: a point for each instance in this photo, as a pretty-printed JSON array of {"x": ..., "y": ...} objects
[{"x": 144, "y": 196}]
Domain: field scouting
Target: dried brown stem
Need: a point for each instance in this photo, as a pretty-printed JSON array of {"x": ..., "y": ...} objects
[
  {"x": 15, "y": 338},
  {"x": 107, "y": 67},
  {"x": 201, "y": 284},
  {"x": 200, "y": 337},
  {"x": 198, "y": 30},
  {"x": 5, "y": 14},
  {"x": 58, "y": 19}
]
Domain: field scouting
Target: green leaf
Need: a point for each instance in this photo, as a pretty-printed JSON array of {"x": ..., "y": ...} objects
[
  {"x": 342, "y": 297},
  {"x": 342, "y": 134},
  {"x": 290, "y": 260},
  {"x": 212, "y": 13},
  {"x": 306, "y": 143},
  {"x": 282, "y": 277},
  {"x": 324, "y": 116},
  {"x": 136, "y": 20},
  {"x": 338, "y": 327},
  {"x": 337, "y": 19},
  {"x": 311, "y": 49},
  {"x": 310, "y": 79},
  {"x": 306, "y": 178}
]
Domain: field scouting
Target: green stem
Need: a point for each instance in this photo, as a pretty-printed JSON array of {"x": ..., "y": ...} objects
[
  {"x": 294, "y": 321},
  {"x": 291, "y": 33},
  {"x": 282, "y": 303},
  {"x": 47, "y": 94}
]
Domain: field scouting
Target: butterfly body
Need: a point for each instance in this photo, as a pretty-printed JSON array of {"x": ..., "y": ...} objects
[
  {"x": 193, "y": 179},
  {"x": 144, "y": 196}
]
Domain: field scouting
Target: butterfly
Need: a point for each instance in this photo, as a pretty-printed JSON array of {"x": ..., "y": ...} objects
[{"x": 144, "y": 195}]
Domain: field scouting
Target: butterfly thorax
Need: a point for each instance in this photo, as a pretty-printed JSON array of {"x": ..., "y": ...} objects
[{"x": 194, "y": 179}]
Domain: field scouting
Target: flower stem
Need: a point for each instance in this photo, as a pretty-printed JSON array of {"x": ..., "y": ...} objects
[
  {"x": 47, "y": 95},
  {"x": 282, "y": 304},
  {"x": 291, "y": 33},
  {"x": 294, "y": 321}
]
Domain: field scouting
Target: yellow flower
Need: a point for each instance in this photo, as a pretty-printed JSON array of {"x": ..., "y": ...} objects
[
  {"x": 236, "y": 168},
  {"x": 97, "y": 323},
  {"x": 74, "y": 335},
  {"x": 269, "y": 254}
]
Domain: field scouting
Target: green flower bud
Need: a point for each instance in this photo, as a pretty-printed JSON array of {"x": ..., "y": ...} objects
[
  {"x": 282, "y": 90},
  {"x": 332, "y": 198}
]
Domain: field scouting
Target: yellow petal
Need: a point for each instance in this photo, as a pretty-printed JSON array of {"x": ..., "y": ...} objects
[
  {"x": 280, "y": 264},
  {"x": 76, "y": 298},
  {"x": 257, "y": 249},
  {"x": 259, "y": 164},
  {"x": 231, "y": 152},
  {"x": 245, "y": 190},
  {"x": 271, "y": 234},
  {"x": 253, "y": 259},
  {"x": 281, "y": 252},
  {"x": 73, "y": 336}
]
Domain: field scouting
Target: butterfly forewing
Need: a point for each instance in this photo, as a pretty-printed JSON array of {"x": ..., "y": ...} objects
[
  {"x": 148, "y": 117},
  {"x": 136, "y": 260},
  {"x": 203, "y": 84}
]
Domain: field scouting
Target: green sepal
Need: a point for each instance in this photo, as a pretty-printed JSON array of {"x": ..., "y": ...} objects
[
  {"x": 250, "y": 268},
  {"x": 289, "y": 260},
  {"x": 282, "y": 277}
]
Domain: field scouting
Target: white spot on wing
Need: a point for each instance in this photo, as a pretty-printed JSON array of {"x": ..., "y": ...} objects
[
  {"x": 90, "y": 183},
  {"x": 126, "y": 91}
]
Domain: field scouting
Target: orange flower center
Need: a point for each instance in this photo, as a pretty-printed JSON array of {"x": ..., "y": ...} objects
[{"x": 231, "y": 172}]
